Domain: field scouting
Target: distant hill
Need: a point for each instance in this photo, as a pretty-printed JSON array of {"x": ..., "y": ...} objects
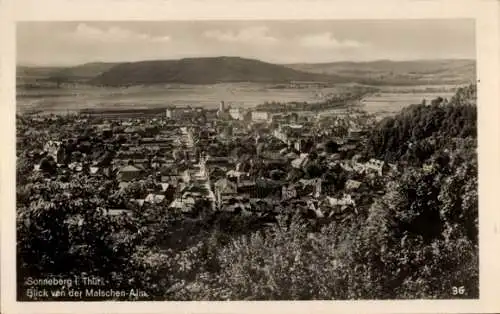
[
  {"x": 235, "y": 69},
  {"x": 27, "y": 75},
  {"x": 83, "y": 72},
  {"x": 204, "y": 71},
  {"x": 25, "y": 72},
  {"x": 397, "y": 72}
]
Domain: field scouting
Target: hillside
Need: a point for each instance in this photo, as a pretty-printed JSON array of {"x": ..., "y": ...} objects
[
  {"x": 397, "y": 72},
  {"x": 81, "y": 72},
  {"x": 26, "y": 72},
  {"x": 419, "y": 130},
  {"x": 204, "y": 71}
]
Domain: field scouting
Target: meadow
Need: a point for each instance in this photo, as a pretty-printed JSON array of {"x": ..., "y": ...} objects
[
  {"x": 247, "y": 95},
  {"x": 392, "y": 102}
]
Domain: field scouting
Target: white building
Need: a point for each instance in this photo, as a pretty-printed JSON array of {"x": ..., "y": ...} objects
[
  {"x": 378, "y": 166},
  {"x": 168, "y": 113},
  {"x": 280, "y": 135},
  {"x": 236, "y": 113},
  {"x": 260, "y": 116},
  {"x": 344, "y": 201}
]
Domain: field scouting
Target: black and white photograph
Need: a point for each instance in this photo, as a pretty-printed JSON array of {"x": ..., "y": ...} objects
[{"x": 247, "y": 160}]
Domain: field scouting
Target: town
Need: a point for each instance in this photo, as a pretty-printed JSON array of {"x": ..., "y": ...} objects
[{"x": 233, "y": 159}]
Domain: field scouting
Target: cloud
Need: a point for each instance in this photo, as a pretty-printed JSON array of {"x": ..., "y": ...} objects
[
  {"x": 255, "y": 35},
  {"x": 327, "y": 40},
  {"x": 113, "y": 34}
]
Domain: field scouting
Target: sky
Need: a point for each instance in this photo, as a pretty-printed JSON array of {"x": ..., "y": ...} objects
[{"x": 72, "y": 43}]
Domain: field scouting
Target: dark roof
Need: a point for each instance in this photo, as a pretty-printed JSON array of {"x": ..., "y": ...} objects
[{"x": 129, "y": 168}]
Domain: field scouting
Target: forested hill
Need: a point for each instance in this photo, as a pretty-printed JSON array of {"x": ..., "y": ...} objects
[
  {"x": 418, "y": 131},
  {"x": 204, "y": 71}
]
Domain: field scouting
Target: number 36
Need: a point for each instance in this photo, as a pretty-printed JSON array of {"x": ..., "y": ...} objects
[{"x": 458, "y": 290}]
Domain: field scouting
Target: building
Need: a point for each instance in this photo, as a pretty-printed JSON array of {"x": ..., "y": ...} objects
[
  {"x": 288, "y": 192},
  {"x": 169, "y": 114},
  {"x": 355, "y": 133},
  {"x": 236, "y": 113},
  {"x": 300, "y": 162},
  {"x": 52, "y": 149},
  {"x": 352, "y": 185},
  {"x": 379, "y": 166},
  {"x": 246, "y": 186},
  {"x": 129, "y": 173},
  {"x": 154, "y": 198},
  {"x": 260, "y": 116},
  {"x": 346, "y": 200},
  {"x": 219, "y": 161},
  {"x": 280, "y": 135},
  {"x": 224, "y": 190},
  {"x": 312, "y": 186}
]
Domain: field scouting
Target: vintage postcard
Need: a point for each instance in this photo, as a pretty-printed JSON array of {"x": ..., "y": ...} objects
[{"x": 205, "y": 152}]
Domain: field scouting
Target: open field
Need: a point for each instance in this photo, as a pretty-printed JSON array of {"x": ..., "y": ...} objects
[
  {"x": 68, "y": 99},
  {"x": 385, "y": 102},
  {"x": 208, "y": 96}
]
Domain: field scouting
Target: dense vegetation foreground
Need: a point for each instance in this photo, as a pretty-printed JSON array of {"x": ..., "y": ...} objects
[{"x": 418, "y": 239}]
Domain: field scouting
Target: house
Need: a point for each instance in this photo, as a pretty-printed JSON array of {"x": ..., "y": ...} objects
[
  {"x": 225, "y": 162},
  {"x": 118, "y": 212},
  {"x": 378, "y": 166},
  {"x": 312, "y": 186},
  {"x": 130, "y": 130},
  {"x": 168, "y": 175},
  {"x": 246, "y": 186},
  {"x": 235, "y": 174},
  {"x": 427, "y": 168},
  {"x": 139, "y": 202},
  {"x": 260, "y": 116},
  {"x": 352, "y": 185},
  {"x": 291, "y": 156},
  {"x": 300, "y": 162},
  {"x": 355, "y": 133},
  {"x": 288, "y": 192},
  {"x": 129, "y": 173},
  {"x": 154, "y": 198},
  {"x": 76, "y": 166},
  {"x": 348, "y": 147},
  {"x": 346, "y": 200},
  {"x": 299, "y": 145},
  {"x": 236, "y": 113},
  {"x": 359, "y": 167},
  {"x": 346, "y": 166},
  {"x": 51, "y": 147},
  {"x": 317, "y": 211},
  {"x": 224, "y": 189},
  {"x": 94, "y": 171},
  {"x": 184, "y": 204},
  {"x": 164, "y": 186},
  {"x": 123, "y": 185},
  {"x": 282, "y": 136}
]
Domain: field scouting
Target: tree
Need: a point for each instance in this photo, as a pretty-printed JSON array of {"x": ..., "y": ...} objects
[
  {"x": 48, "y": 165},
  {"x": 64, "y": 231},
  {"x": 331, "y": 147}
]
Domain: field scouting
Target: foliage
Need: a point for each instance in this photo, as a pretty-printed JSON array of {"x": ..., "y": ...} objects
[{"x": 415, "y": 133}]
